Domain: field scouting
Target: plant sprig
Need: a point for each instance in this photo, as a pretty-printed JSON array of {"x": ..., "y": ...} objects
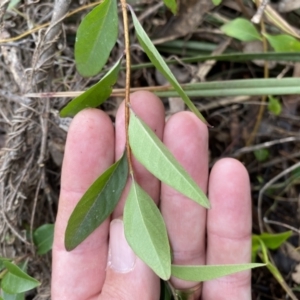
[{"x": 144, "y": 225}]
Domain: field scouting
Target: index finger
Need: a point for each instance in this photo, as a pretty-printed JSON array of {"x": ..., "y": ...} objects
[{"x": 89, "y": 152}]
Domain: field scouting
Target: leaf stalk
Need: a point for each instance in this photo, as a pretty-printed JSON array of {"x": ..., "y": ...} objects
[{"x": 127, "y": 85}]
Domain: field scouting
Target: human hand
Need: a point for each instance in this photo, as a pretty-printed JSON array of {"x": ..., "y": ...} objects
[{"x": 104, "y": 266}]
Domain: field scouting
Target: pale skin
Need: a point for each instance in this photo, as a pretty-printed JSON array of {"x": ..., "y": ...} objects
[{"x": 221, "y": 235}]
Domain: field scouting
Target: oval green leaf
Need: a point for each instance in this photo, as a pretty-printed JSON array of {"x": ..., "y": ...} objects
[
  {"x": 172, "y": 5},
  {"x": 204, "y": 273},
  {"x": 158, "y": 160},
  {"x": 12, "y": 4},
  {"x": 2, "y": 260},
  {"x": 96, "y": 36},
  {"x": 261, "y": 154},
  {"x": 241, "y": 29},
  {"x": 19, "y": 296},
  {"x": 17, "y": 281},
  {"x": 95, "y": 95},
  {"x": 97, "y": 203},
  {"x": 43, "y": 238},
  {"x": 6, "y": 296},
  {"x": 274, "y": 105},
  {"x": 283, "y": 43},
  {"x": 161, "y": 65},
  {"x": 216, "y": 2},
  {"x": 146, "y": 232},
  {"x": 272, "y": 240}
]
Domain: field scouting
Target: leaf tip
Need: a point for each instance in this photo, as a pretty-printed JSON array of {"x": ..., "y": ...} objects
[
  {"x": 68, "y": 246},
  {"x": 166, "y": 276},
  {"x": 69, "y": 242},
  {"x": 62, "y": 113}
]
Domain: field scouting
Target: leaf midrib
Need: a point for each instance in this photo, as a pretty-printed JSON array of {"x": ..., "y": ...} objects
[{"x": 165, "y": 156}]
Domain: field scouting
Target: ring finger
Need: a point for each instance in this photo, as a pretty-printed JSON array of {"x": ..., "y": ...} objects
[{"x": 187, "y": 138}]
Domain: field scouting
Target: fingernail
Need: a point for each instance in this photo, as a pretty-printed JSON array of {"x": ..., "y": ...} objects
[{"x": 120, "y": 258}]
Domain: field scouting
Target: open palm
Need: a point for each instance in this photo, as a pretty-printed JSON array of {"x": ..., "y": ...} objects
[{"x": 104, "y": 266}]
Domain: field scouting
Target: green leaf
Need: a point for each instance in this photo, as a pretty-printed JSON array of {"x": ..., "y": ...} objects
[
  {"x": 172, "y": 5},
  {"x": 17, "y": 281},
  {"x": 97, "y": 203},
  {"x": 264, "y": 257},
  {"x": 158, "y": 160},
  {"x": 216, "y": 2},
  {"x": 283, "y": 43},
  {"x": 255, "y": 247},
  {"x": 244, "y": 87},
  {"x": 275, "y": 272},
  {"x": 145, "y": 231},
  {"x": 237, "y": 57},
  {"x": 241, "y": 29},
  {"x": 6, "y": 296},
  {"x": 20, "y": 296},
  {"x": 274, "y": 106},
  {"x": 2, "y": 260},
  {"x": 261, "y": 154},
  {"x": 284, "y": 86},
  {"x": 275, "y": 240},
  {"x": 96, "y": 36},
  {"x": 95, "y": 95},
  {"x": 43, "y": 238},
  {"x": 204, "y": 273},
  {"x": 161, "y": 65},
  {"x": 295, "y": 173},
  {"x": 12, "y": 4}
]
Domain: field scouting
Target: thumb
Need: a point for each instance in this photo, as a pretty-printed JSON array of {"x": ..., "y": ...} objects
[{"x": 127, "y": 277}]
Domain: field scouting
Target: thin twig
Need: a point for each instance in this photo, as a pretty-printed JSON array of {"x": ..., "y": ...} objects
[
  {"x": 256, "y": 19},
  {"x": 266, "y": 220},
  {"x": 264, "y": 98},
  {"x": 115, "y": 93},
  {"x": 243, "y": 9},
  {"x": 37, "y": 191},
  {"x": 266, "y": 145},
  {"x": 148, "y": 12},
  {"x": 127, "y": 85},
  {"x": 44, "y": 122},
  {"x": 266, "y": 186}
]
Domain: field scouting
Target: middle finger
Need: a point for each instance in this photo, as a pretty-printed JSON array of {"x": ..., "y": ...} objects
[{"x": 150, "y": 109}]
